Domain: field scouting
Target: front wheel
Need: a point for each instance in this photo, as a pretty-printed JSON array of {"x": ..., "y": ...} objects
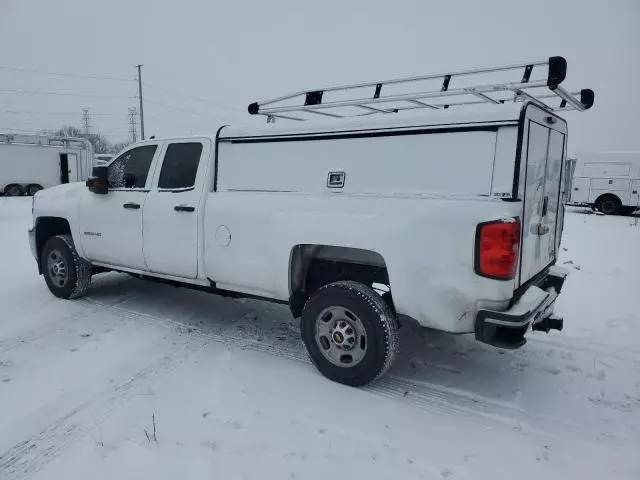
[
  {"x": 350, "y": 332},
  {"x": 67, "y": 275}
]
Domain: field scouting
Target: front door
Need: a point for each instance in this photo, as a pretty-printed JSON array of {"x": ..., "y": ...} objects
[
  {"x": 111, "y": 224},
  {"x": 543, "y": 210},
  {"x": 171, "y": 212},
  {"x": 72, "y": 167}
]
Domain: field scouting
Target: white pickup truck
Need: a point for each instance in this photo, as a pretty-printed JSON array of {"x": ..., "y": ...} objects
[{"x": 453, "y": 221}]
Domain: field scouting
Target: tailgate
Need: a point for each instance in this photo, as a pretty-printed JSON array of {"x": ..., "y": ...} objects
[{"x": 542, "y": 156}]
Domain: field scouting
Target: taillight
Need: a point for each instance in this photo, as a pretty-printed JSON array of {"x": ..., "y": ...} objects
[{"x": 497, "y": 247}]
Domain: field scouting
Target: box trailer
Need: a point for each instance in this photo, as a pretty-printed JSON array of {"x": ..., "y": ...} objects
[{"x": 29, "y": 163}]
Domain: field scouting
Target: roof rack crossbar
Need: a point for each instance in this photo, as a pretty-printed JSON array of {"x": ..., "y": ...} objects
[
  {"x": 421, "y": 104},
  {"x": 315, "y": 101}
]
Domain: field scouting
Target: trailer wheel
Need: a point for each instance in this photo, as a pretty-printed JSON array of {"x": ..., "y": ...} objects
[
  {"x": 13, "y": 190},
  {"x": 66, "y": 274},
  {"x": 33, "y": 188},
  {"x": 350, "y": 332},
  {"x": 609, "y": 204}
]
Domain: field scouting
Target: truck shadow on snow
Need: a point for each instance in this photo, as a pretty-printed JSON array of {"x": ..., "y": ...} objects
[{"x": 426, "y": 357}]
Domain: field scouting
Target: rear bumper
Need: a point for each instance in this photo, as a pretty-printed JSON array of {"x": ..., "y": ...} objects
[{"x": 506, "y": 329}]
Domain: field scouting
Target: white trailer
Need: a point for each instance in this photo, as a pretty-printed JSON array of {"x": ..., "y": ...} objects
[
  {"x": 607, "y": 181},
  {"x": 29, "y": 163}
]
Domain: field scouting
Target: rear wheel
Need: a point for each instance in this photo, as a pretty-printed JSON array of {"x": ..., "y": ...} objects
[
  {"x": 33, "y": 189},
  {"x": 350, "y": 332},
  {"x": 67, "y": 275},
  {"x": 609, "y": 204},
  {"x": 13, "y": 190}
]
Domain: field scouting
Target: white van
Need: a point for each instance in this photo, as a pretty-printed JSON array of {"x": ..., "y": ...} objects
[{"x": 607, "y": 181}]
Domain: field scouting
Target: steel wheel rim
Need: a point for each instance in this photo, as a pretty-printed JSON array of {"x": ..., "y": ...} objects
[
  {"x": 341, "y": 336},
  {"x": 57, "y": 268},
  {"x": 608, "y": 206}
]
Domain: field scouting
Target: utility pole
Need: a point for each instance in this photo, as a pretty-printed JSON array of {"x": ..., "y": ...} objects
[
  {"x": 139, "y": 67},
  {"x": 132, "y": 124},
  {"x": 86, "y": 121}
]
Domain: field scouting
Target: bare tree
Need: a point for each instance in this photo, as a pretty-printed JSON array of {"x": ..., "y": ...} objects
[
  {"x": 100, "y": 144},
  {"x": 118, "y": 147}
]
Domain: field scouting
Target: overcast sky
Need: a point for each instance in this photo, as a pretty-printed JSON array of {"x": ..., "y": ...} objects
[{"x": 230, "y": 53}]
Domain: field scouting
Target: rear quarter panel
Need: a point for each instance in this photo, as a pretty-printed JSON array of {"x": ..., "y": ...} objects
[{"x": 427, "y": 243}]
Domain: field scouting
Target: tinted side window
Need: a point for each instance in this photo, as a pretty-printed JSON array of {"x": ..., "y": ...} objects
[
  {"x": 130, "y": 169},
  {"x": 180, "y": 165}
]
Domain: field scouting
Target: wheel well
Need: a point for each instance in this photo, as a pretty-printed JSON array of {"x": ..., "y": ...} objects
[
  {"x": 312, "y": 266},
  {"x": 47, "y": 227}
]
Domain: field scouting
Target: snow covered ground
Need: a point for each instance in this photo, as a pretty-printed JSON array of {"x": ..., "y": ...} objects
[{"x": 232, "y": 394}]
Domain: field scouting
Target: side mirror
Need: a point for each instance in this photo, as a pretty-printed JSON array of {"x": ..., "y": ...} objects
[{"x": 98, "y": 182}]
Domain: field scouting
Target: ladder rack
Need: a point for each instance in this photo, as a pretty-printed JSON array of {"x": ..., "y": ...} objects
[{"x": 541, "y": 91}]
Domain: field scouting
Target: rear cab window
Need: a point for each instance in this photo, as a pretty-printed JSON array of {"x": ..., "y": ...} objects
[{"x": 180, "y": 166}]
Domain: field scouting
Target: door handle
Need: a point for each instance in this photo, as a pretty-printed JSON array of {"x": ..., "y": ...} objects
[
  {"x": 131, "y": 205},
  {"x": 184, "y": 208},
  {"x": 545, "y": 206},
  {"x": 539, "y": 229}
]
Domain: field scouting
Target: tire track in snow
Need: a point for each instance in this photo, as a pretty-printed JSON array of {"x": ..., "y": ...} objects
[
  {"x": 419, "y": 394},
  {"x": 588, "y": 347},
  {"x": 30, "y": 455},
  {"x": 61, "y": 324}
]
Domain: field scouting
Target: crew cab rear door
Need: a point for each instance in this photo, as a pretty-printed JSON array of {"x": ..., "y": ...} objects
[
  {"x": 542, "y": 157},
  {"x": 172, "y": 221}
]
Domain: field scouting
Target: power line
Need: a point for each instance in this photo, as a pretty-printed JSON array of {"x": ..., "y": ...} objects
[
  {"x": 105, "y": 77},
  {"x": 60, "y": 74},
  {"x": 51, "y": 130},
  {"x": 187, "y": 95},
  {"x": 178, "y": 108},
  {"x": 182, "y": 124},
  {"x": 21, "y": 91},
  {"x": 37, "y": 112}
]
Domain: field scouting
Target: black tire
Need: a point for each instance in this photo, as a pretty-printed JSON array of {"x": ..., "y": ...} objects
[
  {"x": 13, "y": 190},
  {"x": 375, "y": 316},
  {"x": 59, "y": 253},
  {"x": 609, "y": 205},
  {"x": 33, "y": 188}
]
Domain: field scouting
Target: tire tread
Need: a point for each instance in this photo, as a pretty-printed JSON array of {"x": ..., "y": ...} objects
[{"x": 385, "y": 317}]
